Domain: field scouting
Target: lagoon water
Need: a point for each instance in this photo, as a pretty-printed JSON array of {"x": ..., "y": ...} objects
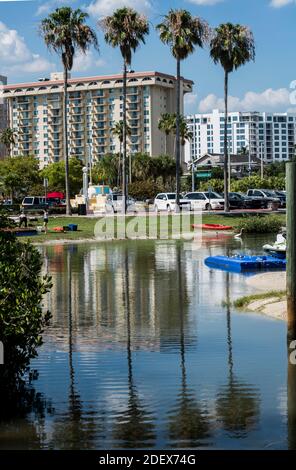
[{"x": 141, "y": 353}]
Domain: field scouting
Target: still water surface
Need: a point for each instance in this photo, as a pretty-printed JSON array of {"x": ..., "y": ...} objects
[{"x": 141, "y": 353}]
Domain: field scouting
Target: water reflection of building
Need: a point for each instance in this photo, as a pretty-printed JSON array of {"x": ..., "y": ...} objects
[{"x": 97, "y": 279}]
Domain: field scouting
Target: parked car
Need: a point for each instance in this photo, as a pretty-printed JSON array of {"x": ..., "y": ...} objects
[
  {"x": 205, "y": 200},
  {"x": 266, "y": 195},
  {"x": 114, "y": 203},
  {"x": 34, "y": 203},
  {"x": 241, "y": 201},
  {"x": 167, "y": 202},
  {"x": 282, "y": 196}
]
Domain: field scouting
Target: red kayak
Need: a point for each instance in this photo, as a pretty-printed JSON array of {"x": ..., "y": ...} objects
[{"x": 215, "y": 227}]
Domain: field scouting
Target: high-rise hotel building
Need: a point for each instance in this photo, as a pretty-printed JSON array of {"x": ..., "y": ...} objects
[
  {"x": 95, "y": 104},
  {"x": 3, "y": 112},
  {"x": 271, "y": 136}
]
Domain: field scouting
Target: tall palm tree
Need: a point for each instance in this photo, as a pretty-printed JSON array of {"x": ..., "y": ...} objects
[
  {"x": 117, "y": 130},
  {"x": 182, "y": 33},
  {"x": 7, "y": 138},
  {"x": 232, "y": 45},
  {"x": 65, "y": 32},
  {"x": 125, "y": 29},
  {"x": 165, "y": 124}
]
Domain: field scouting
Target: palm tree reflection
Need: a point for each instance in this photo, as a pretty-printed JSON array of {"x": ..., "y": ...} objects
[
  {"x": 291, "y": 404},
  {"x": 188, "y": 423},
  {"x": 134, "y": 427},
  {"x": 237, "y": 403},
  {"x": 73, "y": 430}
]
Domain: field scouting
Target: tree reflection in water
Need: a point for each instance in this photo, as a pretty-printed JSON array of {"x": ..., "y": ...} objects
[
  {"x": 74, "y": 430},
  {"x": 134, "y": 427},
  {"x": 291, "y": 388},
  {"x": 237, "y": 403},
  {"x": 188, "y": 423}
]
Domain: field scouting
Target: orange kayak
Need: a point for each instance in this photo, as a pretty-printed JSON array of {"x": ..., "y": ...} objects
[{"x": 215, "y": 227}]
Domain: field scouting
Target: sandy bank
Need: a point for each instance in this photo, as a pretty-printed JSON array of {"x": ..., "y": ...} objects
[{"x": 273, "y": 306}]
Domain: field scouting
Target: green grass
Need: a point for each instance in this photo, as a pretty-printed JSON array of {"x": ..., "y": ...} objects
[
  {"x": 86, "y": 225},
  {"x": 245, "y": 301}
]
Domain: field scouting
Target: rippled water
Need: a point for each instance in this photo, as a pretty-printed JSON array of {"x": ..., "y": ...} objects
[{"x": 142, "y": 354}]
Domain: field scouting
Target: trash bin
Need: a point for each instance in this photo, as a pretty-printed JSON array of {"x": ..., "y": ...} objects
[
  {"x": 81, "y": 209},
  {"x": 72, "y": 227}
]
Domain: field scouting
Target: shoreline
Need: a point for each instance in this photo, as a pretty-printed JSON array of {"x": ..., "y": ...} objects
[{"x": 271, "y": 304}]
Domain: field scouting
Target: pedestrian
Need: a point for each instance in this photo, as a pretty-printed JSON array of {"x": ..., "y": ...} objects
[
  {"x": 23, "y": 219},
  {"x": 45, "y": 220}
]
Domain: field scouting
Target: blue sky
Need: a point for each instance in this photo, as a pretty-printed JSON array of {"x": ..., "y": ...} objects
[{"x": 263, "y": 85}]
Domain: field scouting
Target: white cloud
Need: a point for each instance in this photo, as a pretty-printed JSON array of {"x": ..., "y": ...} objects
[
  {"x": 84, "y": 62},
  {"x": 100, "y": 8},
  {"x": 46, "y": 7},
  {"x": 280, "y": 3},
  {"x": 205, "y": 2},
  {"x": 15, "y": 56},
  {"x": 269, "y": 99},
  {"x": 190, "y": 102}
]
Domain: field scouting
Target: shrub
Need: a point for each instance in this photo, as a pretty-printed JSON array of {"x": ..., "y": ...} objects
[
  {"x": 216, "y": 185},
  {"x": 261, "y": 224},
  {"x": 22, "y": 319},
  {"x": 253, "y": 182},
  {"x": 142, "y": 190}
]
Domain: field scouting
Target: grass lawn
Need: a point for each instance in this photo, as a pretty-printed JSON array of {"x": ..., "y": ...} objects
[{"x": 86, "y": 225}]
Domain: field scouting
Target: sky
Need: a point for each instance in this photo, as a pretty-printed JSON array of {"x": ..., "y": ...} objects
[{"x": 264, "y": 85}]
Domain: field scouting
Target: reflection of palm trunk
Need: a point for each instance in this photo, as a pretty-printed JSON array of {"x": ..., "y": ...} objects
[
  {"x": 74, "y": 400},
  {"x": 291, "y": 389},
  {"x": 229, "y": 337}
]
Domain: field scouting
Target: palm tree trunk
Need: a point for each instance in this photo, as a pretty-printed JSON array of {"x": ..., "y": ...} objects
[
  {"x": 226, "y": 199},
  {"x": 178, "y": 149},
  {"x": 124, "y": 188},
  {"x": 65, "y": 138},
  {"x": 166, "y": 144}
]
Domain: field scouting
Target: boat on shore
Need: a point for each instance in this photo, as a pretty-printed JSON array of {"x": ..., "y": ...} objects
[{"x": 213, "y": 227}]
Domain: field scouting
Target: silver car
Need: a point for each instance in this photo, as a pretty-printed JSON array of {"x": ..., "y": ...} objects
[{"x": 114, "y": 203}]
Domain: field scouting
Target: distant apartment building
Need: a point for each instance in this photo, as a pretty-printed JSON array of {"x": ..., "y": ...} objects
[
  {"x": 271, "y": 136},
  {"x": 3, "y": 112},
  {"x": 95, "y": 104}
]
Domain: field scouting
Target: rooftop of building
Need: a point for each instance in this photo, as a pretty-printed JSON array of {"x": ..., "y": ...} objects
[{"x": 56, "y": 79}]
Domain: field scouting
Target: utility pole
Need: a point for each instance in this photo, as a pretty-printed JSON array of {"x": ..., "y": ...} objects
[
  {"x": 262, "y": 160},
  {"x": 291, "y": 248},
  {"x": 192, "y": 177}
]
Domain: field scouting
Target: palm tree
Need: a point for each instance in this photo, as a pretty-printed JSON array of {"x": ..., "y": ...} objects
[
  {"x": 182, "y": 33},
  {"x": 232, "y": 45},
  {"x": 125, "y": 29},
  {"x": 165, "y": 124},
  {"x": 117, "y": 130},
  {"x": 65, "y": 31},
  {"x": 7, "y": 138}
]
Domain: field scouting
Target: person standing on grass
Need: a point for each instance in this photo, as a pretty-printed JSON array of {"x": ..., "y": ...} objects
[
  {"x": 45, "y": 220},
  {"x": 23, "y": 219}
]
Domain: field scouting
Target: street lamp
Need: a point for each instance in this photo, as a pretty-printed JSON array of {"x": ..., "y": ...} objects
[{"x": 85, "y": 185}]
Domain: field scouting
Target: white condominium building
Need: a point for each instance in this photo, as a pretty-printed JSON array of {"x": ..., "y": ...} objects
[
  {"x": 3, "y": 112},
  {"x": 270, "y": 135},
  {"x": 94, "y": 106}
]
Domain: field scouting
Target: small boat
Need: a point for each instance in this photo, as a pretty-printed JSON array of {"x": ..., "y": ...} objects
[
  {"x": 279, "y": 248},
  {"x": 213, "y": 227},
  {"x": 21, "y": 232},
  {"x": 240, "y": 263}
]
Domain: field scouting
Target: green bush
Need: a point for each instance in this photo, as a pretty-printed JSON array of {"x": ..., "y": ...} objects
[
  {"x": 216, "y": 185},
  {"x": 22, "y": 319},
  {"x": 261, "y": 224},
  {"x": 253, "y": 182},
  {"x": 142, "y": 190}
]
